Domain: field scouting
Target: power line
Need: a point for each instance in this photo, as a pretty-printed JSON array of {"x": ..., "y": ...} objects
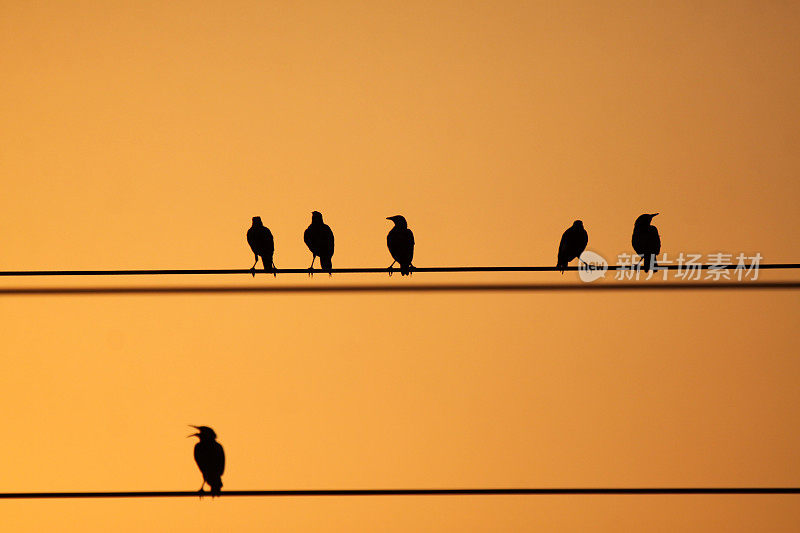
[
  {"x": 412, "y": 492},
  {"x": 409, "y": 288},
  {"x": 218, "y": 271}
]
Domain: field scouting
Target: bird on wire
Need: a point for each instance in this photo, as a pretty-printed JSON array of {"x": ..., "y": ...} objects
[
  {"x": 210, "y": 458},
  {"x": 259, "y": 237},
  {"x": 319, "y": 239},
  {"x": 400, "y": 241},
  {"x": 573, "y": 243},
  {"x": 646, "y": 241}
]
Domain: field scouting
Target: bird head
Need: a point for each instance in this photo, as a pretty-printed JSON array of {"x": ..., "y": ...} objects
[
  {"x": 578, "y": 223},
  {"x": 203, "y": 432},
  {"x": 399, "y": 220},
  {"x": 257, "y": 221},
  {"x": 645, "y": 219},
  {"x": 316, "y": 216}
]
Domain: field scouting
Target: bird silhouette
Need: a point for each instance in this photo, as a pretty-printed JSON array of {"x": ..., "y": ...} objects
[
  {"x": 319, "y": 239},
  {"x": 646, "y": 241},
  {"x": 210, "y": 458},
  {"x": 259, "y": 237},
  {"x": 400, "y": 241},
  {"x": 573, "y": 243}
]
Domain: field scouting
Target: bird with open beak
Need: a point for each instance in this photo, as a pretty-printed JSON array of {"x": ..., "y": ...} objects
[{"x": 210, "y": 458}]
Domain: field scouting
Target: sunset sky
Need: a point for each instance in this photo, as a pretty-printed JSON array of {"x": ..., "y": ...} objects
[{"x": 147, "y": 134}]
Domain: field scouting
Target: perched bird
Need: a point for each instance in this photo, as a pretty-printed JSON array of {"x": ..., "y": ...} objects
[
  {"x": 401, "y": 244},
  {"x": 573, "y": 243},
  {"x": 319, "y": 239},
  {"x": 259, "y": 237},
  {"x": 646, "y": 241},
  {"x": 210, "y": 458}
]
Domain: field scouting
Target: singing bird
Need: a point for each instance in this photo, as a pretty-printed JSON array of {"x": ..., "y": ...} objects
[
  {"x": 319, "y": 239},
  {"x": 646, "y": 241},
  {"x": 573, "y": 243},
  {"x": 259, "y": 237},
  {"x": 210, "y": 458},
  {"x": 400, "y": 241}
]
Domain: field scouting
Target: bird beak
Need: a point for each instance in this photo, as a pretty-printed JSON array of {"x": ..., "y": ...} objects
[
  {"x": 654, "y": 214},
  {"x": 193, "y": 434},
  {"x": 388, "y": 218}
]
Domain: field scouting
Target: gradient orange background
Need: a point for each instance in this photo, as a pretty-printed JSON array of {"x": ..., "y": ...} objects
[{"x": 147, "y": 134}]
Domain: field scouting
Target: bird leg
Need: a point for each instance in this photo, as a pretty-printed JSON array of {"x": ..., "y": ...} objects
[
  {"x": 390, "y": 268},
  {"x": 274, "y": 270},
  {"x": 253, "y": 272},
  {"x": 311, "y": 268}
]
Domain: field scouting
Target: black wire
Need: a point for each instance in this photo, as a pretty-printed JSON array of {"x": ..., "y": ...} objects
[
  {"x": 409, "y": 492},
  {"x": 212, "y": 271}
]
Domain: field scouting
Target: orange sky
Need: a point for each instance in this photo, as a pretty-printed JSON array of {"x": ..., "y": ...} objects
[{"x": 146, "y": 135}]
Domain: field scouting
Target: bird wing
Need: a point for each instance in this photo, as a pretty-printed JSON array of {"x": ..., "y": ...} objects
[
  {"x": 210, "y": 459},
  {"x": 219, "y": 456},
  {"x": 654, "y": 240},
  {"x": 269, "y": 242},
  {"x": 327, "y": 239},
  {"x": 401, "y": 245},
  {"x": 583, "y": 240}
]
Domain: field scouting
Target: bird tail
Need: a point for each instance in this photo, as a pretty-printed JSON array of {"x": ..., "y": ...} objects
[
  {"x": 325, "y": 263},
  {"x": 405, "y": 270},
  {"x": 650, "y": 262},
  {"x": 216, "y": 488},
  {"x": 561, "y": 267}
]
